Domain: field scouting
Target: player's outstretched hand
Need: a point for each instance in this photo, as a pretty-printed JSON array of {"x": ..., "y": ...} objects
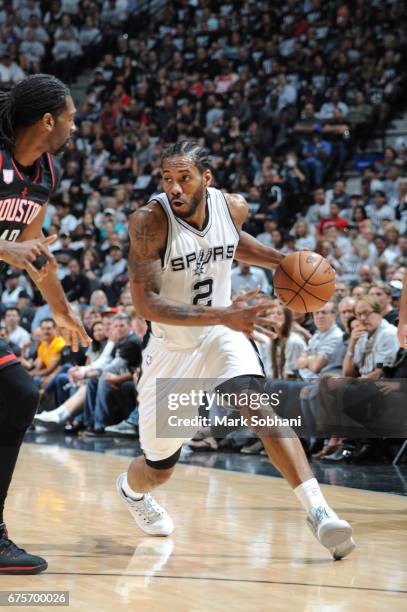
[
  {"x": 248, "y": 319},
  {"x": 402, "y": 334},
  {"x": 26, "y": 255},
  {"x": 71, "y": 329}
]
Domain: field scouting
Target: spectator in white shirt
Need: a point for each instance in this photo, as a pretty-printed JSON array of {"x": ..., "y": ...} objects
[
  {"x": 14, "y": 287},
  {"x": 32, "y": 51},
  {"x": 246, "y": 278},
  {"x": 10, "y": 72},
  {"x": 323, "y": 345},
  {"x": 16, "y": 333}
]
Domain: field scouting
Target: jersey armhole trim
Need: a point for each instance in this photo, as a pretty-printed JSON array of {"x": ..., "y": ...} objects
[
  {"x": 229, "y": 216},
  {"x": 168, "y": 240},
  {"x": 51, "y": 167},
  {"x": 1, "y": 160}
]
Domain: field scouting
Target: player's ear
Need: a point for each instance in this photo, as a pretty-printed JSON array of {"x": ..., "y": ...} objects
[
  {"x": 48, "y": 122},
  {"x": 207, "y": 175}
]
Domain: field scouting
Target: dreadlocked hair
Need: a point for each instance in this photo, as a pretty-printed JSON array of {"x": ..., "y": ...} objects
[
  {"x": 189, "y": 149},
  {"x": 27, "y": 103}
]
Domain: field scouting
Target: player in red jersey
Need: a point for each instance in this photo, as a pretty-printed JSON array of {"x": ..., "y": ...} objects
[{"x": 36, "y": 122}]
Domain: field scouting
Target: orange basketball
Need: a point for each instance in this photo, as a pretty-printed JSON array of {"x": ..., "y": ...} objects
[{"x": 304, "y": 281}]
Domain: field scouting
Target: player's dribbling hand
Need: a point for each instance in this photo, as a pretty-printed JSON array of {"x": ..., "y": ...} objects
[
  {"x": 402, "y": 334},
  {"x": 71, "y": 329},
  {"x": 248, "y": 319},
  {"x": 24, "y": 254}
]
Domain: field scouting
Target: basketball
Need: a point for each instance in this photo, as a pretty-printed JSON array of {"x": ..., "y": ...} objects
[{"x": 304, "y": 281}]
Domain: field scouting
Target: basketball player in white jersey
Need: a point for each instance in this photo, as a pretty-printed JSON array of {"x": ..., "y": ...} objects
[
  {"x": 183, "y": 243},
  {"x": 402, "y": 327}
]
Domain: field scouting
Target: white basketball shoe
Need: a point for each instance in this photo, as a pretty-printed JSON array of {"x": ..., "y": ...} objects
[
  {"x": 149, "y": 515},
  {"x": 332, "y": 532}
]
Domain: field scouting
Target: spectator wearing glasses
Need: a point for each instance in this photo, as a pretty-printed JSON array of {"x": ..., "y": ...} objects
[
  {"x": 323, "y": 344},
  {"x": 373, "y": 345}
]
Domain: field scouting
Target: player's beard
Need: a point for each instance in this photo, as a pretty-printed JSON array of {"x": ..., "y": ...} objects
[
  {"x": 196, "y": 199},
  {"x": 62, "y": 148}
]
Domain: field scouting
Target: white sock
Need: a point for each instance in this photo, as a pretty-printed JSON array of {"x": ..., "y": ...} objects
[
  {"x": 311, "y": 496},
  {"x": 62, "y": 413},
  {"x": 127, "y": 490}
]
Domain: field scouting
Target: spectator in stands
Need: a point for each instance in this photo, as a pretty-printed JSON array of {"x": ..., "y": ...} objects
[
  {"x": 75, "y": 284},
  {"x": 322, "y": 347},
  {"x": 382, "y": 292},
  {"x": 246, "y": 278},
  {"x": 15, "y": 332},
  {"x": 49, "y": 354}
]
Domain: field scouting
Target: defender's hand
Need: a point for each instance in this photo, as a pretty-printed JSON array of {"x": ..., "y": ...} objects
[
  {"x": 71, "y": 329},
  {"x": 24, "y": 254}
]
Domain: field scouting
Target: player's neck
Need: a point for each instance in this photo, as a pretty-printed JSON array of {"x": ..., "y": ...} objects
[
  {"x": 200, "y": 217},
  {"x": 27, "y": 149}
]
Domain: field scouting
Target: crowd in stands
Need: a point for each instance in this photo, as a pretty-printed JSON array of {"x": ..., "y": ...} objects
[{"x": 285, "y": 97}]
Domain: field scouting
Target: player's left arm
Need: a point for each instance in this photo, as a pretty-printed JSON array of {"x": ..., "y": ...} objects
[
  {"x": 249, "y": 250},
  {"x": 68, "y": 322}
]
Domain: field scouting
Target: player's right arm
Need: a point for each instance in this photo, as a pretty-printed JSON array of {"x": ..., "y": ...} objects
[
  {"x": 23, "y": 254},
  {"x": 402, "y": 328},
  {"x": 148, "y": 234}
]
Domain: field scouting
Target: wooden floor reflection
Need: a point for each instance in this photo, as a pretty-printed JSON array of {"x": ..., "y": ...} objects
[{"x": 240, "y": 542}]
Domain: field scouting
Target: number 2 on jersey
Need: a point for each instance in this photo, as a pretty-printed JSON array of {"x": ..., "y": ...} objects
[{"x": 202, "y": 292}]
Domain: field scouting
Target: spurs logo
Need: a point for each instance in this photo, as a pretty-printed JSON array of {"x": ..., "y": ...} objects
[{"x": 202, "y": 259}]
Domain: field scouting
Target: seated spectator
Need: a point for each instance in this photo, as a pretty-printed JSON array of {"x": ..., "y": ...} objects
[
  {"x": 304, "y": 239},
  {"x": 372, "y": 346},
  {"x": 382, "y": 292},
  {"x": 14, "y": 287},
  {"x": 319, "y": 209},
  {"x": 68, "y": 408},
  {"x": 108, "y": 397},
  {"x": 75, "y": 284},
  {"x": 379, "y": 210},
  {"x": 15, "y": 332},
  {"x": 287, "y": 347},
  {"x": 10, "y": 72},
  {"x": 323, "y": 345},
  {"x": 246, "y": 278},
  {"x": 49, "y": 354},
  {"x": 316, "y": 153},
  {"x": 115, "y": 267}
]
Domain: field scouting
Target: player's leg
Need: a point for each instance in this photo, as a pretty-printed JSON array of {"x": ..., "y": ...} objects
[
  {"x": 285, "y": 451},
  {"x": 281, "y": 443},
  {"x": 161, "y": 454},
  {"x": 19, "y": 399}
]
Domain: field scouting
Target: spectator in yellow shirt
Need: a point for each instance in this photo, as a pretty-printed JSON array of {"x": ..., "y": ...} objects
[{"x": 49, "y": 353}]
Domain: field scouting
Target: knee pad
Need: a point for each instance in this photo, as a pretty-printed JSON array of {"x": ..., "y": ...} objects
[{"x": 165, "y": 464}]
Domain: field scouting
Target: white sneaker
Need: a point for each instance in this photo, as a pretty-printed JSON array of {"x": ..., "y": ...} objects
[
  {"x": 149, "y": 516},
  {"x": 50, "y": 420},
  {"x": 332, "y": 532}
]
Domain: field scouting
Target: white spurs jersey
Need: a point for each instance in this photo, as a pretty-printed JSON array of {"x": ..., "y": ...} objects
[{"x": 196, "y": 267}]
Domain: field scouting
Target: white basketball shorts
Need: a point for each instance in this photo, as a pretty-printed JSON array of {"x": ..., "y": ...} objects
[{"x": 223, "y": 354}]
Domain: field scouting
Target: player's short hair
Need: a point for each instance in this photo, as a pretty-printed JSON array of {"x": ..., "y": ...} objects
[
  {"x": 190, "y": 149},
  {"x": 27, "y": 102}
]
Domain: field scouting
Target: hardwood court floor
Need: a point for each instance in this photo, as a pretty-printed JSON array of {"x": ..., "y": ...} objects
[{"x": 240, "y": 542}]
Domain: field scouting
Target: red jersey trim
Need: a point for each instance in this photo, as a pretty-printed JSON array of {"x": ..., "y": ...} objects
[
  {"x": 51, "y": 167},
  {"x": 17, "y": 170},
  {"x": 7, "y": 358}
]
